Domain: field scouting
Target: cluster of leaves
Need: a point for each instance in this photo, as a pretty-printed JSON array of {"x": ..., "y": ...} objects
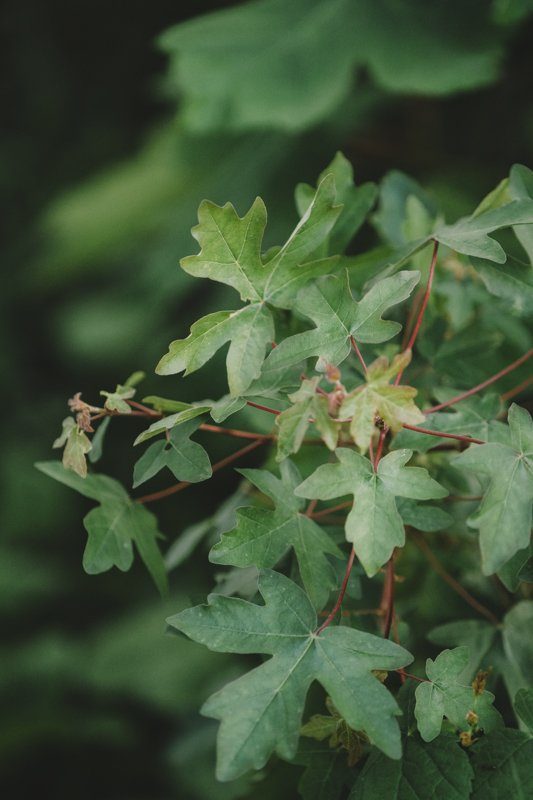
[{"x": 295, "y": 344}]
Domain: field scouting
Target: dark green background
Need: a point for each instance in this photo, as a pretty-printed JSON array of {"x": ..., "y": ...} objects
[{"x": 101, "y": 180}]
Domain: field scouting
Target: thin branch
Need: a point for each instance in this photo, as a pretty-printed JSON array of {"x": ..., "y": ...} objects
[
  {"x": 178, "y": 487},
  {"x": 423, "y": 305},
  {"x": 457, "y": 436},
  {"x": 331, "y": 616},
  {"x": 148, "y": 411},
  {"x": 310, "y": 508},
  {"x": 236, "y": 433},
  {"x": 359, "y": 354},
  {"x": 517, "y": 389},
  {"x": 262, "y": 408},
  {"x": 452, "y": 582},
  {"x": 327, "y": 511},
  {"x": 480, "y": 386}
]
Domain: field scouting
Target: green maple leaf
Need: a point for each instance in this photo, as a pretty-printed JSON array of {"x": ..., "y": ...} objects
[
  {"x": 470, "y": 235},
  {"x": 376, "y": 397},
  {"x": 250, "y": 330},
  {"x": 374, "y": 524},
  {"x": 261, "y": 712},
  {"x": 439, "y": 770},
  {"x": 262, "y": 537},
  {"x": 187, "y": 460},
  {"x": 185, "y": 413},
  {"x": 231, "y": 248},
  {"x": 116, "y": 401},
  {"x": 475, "y": 416},
  {"x": 502, "y": 765},
  {"x": 114, "y": 525},
  {"x": 504, "y": 515},
  {"x": 329, "y": 304},
  {"x": 356, "y": 203},
  {"x": 76, "y": 444},
  {"x": 445, "y": 696},
  {"x": 307, "y": 407}
]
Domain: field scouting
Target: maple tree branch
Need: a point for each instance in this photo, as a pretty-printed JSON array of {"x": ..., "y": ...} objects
[
  {"x": 480, "y": 386},
  {"x": 423, "y": 305},
  {"x": 517, "y": 389},
  {"x": 327, "y": 511},
  {"x": 331, "y": 616},
  {"x": 148, "y": 411},
  {"x": 457, "y": 436},
  {"x": 262, "y": 408},
  {"x": 359, "y": 354},
  {"x": 178, "y": 487},
  {"x": 441, "y": 570},
  {"x": 235, "y": 432}
]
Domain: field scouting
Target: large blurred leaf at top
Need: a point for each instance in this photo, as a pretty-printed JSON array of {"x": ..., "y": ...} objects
[{"x": 288, "y": 65}]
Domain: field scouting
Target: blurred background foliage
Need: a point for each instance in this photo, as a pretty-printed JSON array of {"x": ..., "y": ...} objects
[{"x": 118, "y": 119}]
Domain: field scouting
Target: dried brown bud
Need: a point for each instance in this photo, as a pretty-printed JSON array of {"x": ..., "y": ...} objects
[{"x": 472, "y": 718}]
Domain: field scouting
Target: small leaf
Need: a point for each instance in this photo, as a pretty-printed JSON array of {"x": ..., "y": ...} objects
[
  {"x": 187, "y": 460},
  {"x": 76, "y": 444},
  {"x": 374, "y": 525},
  {"x": 444, "y": 695}
]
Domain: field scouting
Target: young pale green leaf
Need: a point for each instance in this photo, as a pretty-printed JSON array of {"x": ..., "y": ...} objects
[
  {"x": 262, "y": 537},
  {"x": 116, "y": 401},
  {"x": 444, "y": 696},
  {"x": 376, "y": 398},
  {"x": 439, "y": 770},
  {"x": 374, "y": 524},
  {"x": 504, "y": 515},
  {"x": 512, "y": 282},
  {"x": 114, "y": 525},
  {"x": 502, "y": 762},
  {"x": 293, "y": 423},
  {"x": 187, "y": 460},
  {"x": 250, "y": 330},
  {"x": 475, "y": 417},
  {"x": 329, "y": 304},
  {"x": 76, "y": 444},
  {"x": 261, "y": 712},
  {"x": 356, "y": 203}
]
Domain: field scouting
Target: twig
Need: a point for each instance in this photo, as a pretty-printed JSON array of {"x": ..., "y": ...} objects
[
  {"x": 331, "y": 616},
  {"x": 457, "y": 436},
  {"x": 423, "y": 305},
  {"x": 238, "y": 434},
  {"x": 327, "y": 511},
  {"x": 178, "y": 487},
  {"x": 262, "y": 408},
  {"x": 517, "y": 389},
  {"x": 452, "y": 582},
  {"x": 387, "y": 600},
  {"x": 480, "y": 386},
  {"x": 310, "y": 508},
  {"x": 359, "y": 354}
]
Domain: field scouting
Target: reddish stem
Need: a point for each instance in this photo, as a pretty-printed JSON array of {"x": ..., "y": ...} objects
[
  {"x": 238, "y": 434},
  {"x": 310, "y": 508},
  {"x": 423, "y": 305},
  {"x": 480, "y": 386},
  {"x": 457, "y": 436},
  {"x": 379, "y": 451},
  {"x": 178, "y": 487},
  {"x": 452, "y": 582},
  {"x": 148, "y": 411},
  {"x": 262, "y": 408},
  {"x": 331, "y": 616},
  {"x": 327, "y": 511},
  {"x": 359, "y": 354},
  {"x": 517, "y": 389}
]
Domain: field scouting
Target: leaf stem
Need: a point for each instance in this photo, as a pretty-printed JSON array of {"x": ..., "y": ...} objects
[
  {"x": 480, "y": 386},
  {"x": 387, "y": 600},
  {"x": 262, "y": 408},
  {"x": 517, "y": 389},
  {"x": 457, "y": 436},
  {"x": 235, "y": 432},
  {"x": 359, "y": 355},
  {"x": 178, "y": 487},
  {"x": 423, "y": 305},
  {"x": 327, "y": 511},
  {"x": 452, "y": 582},
  {"x": 331, "y": 616}
]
